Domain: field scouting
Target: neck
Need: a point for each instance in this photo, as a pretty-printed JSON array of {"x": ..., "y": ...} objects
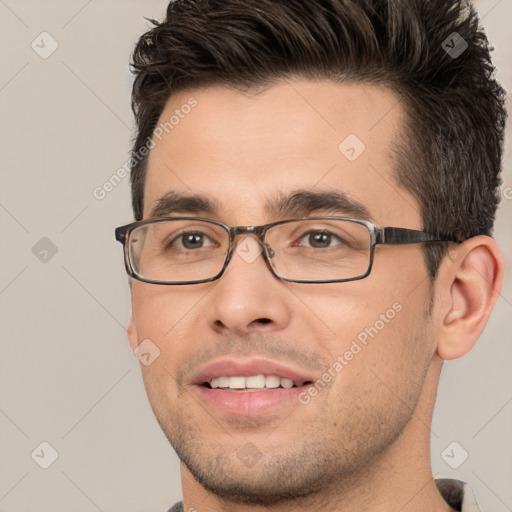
[{"x": 400, "y": 477}]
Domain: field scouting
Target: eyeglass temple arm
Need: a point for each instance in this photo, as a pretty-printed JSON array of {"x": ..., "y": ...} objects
[{"x": 408, "y": 236}]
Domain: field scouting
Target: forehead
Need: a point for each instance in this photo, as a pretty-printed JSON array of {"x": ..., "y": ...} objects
[{"x": 240, "y": 149}]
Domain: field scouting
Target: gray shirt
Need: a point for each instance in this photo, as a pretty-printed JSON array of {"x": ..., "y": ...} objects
[{"x": 456, "y": 493}]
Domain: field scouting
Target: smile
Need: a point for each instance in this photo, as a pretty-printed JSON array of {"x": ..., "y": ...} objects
[
  {"x": 252, "y": 383},
  {"x": 250, "y": 387}
]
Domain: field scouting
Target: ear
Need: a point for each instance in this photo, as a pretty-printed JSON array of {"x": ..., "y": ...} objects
[
  {"x": 467, "y": 288},
  {"x": 131, "y": 331}
]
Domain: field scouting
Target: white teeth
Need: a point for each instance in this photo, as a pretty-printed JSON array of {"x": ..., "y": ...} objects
[
  {"x": 253, "y": 382},
  {"x": 222, "y": 382},
  {"x": 271, "y": 381},
  {"x": 256, "y": 382},
  {"x": 236, "y": 382},
  {"x": 286, "y": 383}
]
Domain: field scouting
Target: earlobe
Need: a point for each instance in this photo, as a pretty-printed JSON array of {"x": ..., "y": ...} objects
[
  {"x": 132, "y": 333},
  {"x": 471, "y": 278}
]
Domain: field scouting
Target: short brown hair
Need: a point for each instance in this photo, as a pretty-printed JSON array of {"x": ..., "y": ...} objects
[{"x": 450, "y": 155}]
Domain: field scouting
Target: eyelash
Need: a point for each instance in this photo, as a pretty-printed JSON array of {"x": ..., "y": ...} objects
[{"x": 181, "y": 236}]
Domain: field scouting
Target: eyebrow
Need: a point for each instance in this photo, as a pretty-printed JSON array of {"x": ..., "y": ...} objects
[{"x": 299, "y": 203}]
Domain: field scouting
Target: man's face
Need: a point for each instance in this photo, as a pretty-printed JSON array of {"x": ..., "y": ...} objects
[{"x": 240, "y": 151}]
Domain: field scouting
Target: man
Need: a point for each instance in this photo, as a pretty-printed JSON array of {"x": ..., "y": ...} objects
[{"x": 299, "y": 360}]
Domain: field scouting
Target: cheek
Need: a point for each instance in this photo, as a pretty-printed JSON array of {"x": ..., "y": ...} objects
[
  {"x": 380, "y": 328},
  {"x": 398, "y": 351},
  {"x": 164, "y": 318},
  {"x": 349, "y": 312},
  {"x": 160, "y": 313},
  {"x": 383, "y": 369}
]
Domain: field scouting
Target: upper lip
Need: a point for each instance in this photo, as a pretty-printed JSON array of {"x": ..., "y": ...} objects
[{"x": 240, "y": 368}]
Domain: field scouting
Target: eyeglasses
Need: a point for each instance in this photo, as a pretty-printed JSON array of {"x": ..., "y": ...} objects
[{"x": 189, "y": 250}]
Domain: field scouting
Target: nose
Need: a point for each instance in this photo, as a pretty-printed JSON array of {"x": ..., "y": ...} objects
[{"x": 248, "y": 297}]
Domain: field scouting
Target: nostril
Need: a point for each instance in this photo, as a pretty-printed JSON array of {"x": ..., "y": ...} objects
[{"x": 264, "y": 320}]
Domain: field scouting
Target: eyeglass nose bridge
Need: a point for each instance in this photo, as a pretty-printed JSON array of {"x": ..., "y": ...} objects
[
  {"x": 251, "y": 230},
  {"x": 259, "y": 233}
]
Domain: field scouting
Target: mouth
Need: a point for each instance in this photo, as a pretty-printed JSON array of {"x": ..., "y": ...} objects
[
  {"x": 250, "y": 388},
  {"x": 253, "y": 383}
]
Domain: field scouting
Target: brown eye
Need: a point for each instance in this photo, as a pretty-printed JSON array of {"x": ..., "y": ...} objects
[
  {"x": 192, "y": 240},
  {"x": 320, "y": 239}
]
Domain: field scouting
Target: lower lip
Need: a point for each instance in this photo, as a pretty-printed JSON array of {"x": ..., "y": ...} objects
[{"x": 249, "y": 403}]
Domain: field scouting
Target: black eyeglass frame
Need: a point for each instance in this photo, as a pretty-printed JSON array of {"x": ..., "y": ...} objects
[{"x": 378, "y": 236}]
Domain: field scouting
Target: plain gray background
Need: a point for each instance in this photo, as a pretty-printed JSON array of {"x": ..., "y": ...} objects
[{"x": 67, "y": 375}]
